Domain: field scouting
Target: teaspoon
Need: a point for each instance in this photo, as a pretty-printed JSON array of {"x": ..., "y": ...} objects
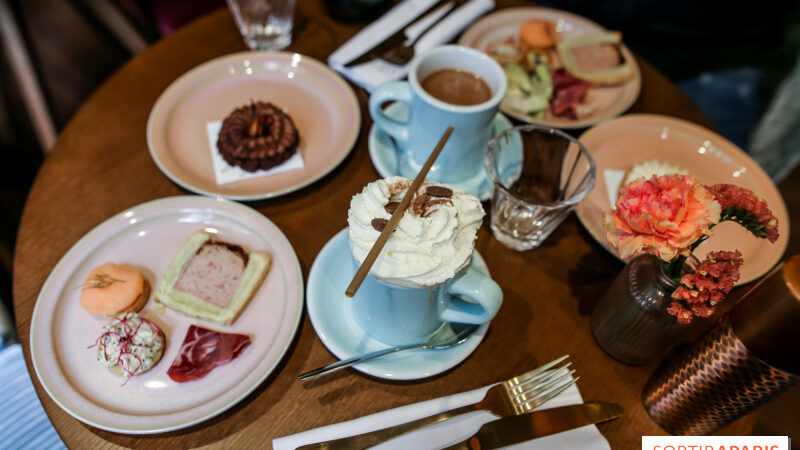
[{"x": 448, "y": 335}]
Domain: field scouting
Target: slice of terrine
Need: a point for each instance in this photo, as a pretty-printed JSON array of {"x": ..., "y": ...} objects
[{"x": 212, "y": 280}]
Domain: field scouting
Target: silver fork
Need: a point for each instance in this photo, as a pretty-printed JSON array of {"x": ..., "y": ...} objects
[
  {"x": 515, "y": 396},
  {"x": 403, "y": 53}
]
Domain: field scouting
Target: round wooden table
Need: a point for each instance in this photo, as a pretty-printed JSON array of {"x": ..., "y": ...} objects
[{"x": 101, "y": 166}]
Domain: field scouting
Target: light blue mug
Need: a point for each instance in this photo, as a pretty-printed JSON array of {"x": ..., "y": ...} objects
[
  {"x": 398, "y": 315},
  {"x": 428, "y": 117}
]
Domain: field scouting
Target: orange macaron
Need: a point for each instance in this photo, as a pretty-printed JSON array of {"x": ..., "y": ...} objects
[{"x": 111, "y": 289}]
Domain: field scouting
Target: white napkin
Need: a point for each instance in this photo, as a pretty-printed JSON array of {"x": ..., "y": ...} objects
[
  {"x": 372, "y": 73},
  {"x": 450, "y": 431},
  {"x": 613, "y": 179}
]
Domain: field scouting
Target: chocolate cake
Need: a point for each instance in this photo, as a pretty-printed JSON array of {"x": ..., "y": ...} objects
[{"x": 257, "y": 136}]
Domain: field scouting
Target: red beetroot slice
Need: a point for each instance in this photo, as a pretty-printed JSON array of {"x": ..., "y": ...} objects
[{"x": 204, "y": 349}]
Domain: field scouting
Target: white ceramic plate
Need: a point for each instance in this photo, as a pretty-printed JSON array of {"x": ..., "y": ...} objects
[
  {"x": 611, "y": 100},
  {"x": 331, "y": 316},
  {"x": 147, "y": 237},
  {"x": 621, "y": 143},
  {"x": 321, "y": 104}
]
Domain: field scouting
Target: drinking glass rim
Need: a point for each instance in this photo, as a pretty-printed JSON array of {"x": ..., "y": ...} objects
[{"x": 574, "y": 199}]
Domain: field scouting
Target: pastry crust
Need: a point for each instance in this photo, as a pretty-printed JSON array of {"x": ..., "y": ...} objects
[{"x": 613, "y": 75}]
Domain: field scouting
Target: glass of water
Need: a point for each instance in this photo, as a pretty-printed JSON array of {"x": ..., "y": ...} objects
[
  {"x": 264, "y": 24},
  {"x": 545, "y": 173}
]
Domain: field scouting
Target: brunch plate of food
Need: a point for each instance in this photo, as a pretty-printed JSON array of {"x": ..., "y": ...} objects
[
  {"x": 563, "y": 70},
  {"x": 223, "y": 298},
  {"x": 253, "y": 125},
  {"x": 644, "y": 145}
]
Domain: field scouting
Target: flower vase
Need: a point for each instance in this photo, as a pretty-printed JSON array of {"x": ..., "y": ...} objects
[
  {"x": 631, "y": 322},
  {"x": 748, "y": 359}
]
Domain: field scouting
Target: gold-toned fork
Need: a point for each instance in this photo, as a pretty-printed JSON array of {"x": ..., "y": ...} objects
[{"x": 515, "y": 396}]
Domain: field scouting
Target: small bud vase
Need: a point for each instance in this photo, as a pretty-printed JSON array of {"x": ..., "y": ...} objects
[{"x": 631, "y": 322}]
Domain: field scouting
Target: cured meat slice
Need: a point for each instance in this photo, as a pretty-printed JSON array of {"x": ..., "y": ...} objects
[
  {"x": 563, "y": 79},
  {"x": 568, "y": 93},
  {"x": 204, "y": 349}
]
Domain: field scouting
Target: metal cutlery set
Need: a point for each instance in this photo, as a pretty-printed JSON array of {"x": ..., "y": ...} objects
[
  {"x": 398, "y": 48},
  {"x": 512, "y": 401}
]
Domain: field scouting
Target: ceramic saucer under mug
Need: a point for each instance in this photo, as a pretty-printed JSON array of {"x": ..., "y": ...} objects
[
  {"x": 330, "y": 313},
  {"x": 383, "y": 153}
]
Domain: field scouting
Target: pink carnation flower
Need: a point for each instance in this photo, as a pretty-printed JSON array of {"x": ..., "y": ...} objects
[{"x": 663, "y": 215}]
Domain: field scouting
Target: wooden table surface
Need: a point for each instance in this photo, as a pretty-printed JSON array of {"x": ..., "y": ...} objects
[{"x": 101, "y": 166}]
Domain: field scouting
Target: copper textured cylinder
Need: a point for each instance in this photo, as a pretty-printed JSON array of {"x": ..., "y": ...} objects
[{"x": 749, "y": 358}]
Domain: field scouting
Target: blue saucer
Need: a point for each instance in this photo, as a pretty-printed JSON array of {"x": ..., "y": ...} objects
[
  {"x": 331, "y": 317},
  {"x": 383, "y": 153}
]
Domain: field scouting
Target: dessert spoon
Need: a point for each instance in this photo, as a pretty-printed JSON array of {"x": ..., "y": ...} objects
[{"x": 448, "y": 335}]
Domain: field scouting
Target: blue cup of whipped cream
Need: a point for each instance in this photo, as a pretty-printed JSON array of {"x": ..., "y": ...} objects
[{"x": 423, "y": 277}]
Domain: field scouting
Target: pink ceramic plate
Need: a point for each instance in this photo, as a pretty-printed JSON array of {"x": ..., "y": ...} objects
[
  {"x": 147, "y": 237},
  {"x": 623, "y": 142},
  {"x": 611, "y": 100},
  {"x": 321, "y": 103}
]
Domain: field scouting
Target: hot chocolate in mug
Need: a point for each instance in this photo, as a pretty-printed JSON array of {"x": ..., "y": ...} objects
[
  {"x": 442, "y": 70},
  {"x": 424, "y": 276},
  {"x": 399, "y": 315}
]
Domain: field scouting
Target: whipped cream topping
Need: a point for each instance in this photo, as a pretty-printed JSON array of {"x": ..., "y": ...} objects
[{"x": 432, "y": 242}]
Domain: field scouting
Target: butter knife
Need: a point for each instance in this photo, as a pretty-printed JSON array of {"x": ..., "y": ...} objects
[
  {"x": 398, "y": 38},
  {"x": 524, "y": 427}
]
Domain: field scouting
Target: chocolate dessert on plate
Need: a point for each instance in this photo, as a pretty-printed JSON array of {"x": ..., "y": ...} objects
[{"x": 257, "y": 136}]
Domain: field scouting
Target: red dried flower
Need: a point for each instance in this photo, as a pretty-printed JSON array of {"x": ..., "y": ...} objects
[
  {"x": 682, "y": 314},
  {"x": 700, "y": 292},
  {"x": 741, "y": 205}
]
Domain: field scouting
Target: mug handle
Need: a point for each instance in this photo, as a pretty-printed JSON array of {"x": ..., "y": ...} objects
[
  {"x": 476, "y": 286},
  {"x": 396, "y": 90}
]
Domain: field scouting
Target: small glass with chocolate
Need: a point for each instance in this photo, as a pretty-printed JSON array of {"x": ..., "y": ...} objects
[{"x": 538, "y": 191}]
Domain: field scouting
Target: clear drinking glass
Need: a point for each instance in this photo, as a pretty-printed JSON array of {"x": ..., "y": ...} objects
[
  {"x": 538, "y": 189},
  {"x": 264, "y": 24}
]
